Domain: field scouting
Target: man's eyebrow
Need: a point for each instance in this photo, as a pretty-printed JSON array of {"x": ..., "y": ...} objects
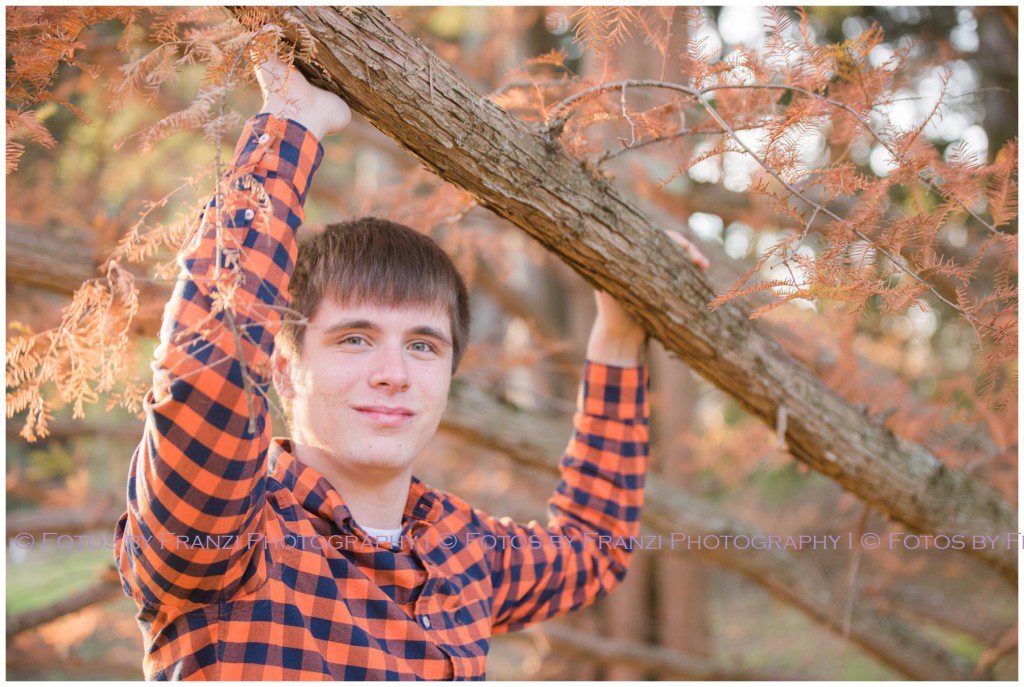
[
  {"x": 424, "y": 330},
  {"x": 351, "y": 324}
]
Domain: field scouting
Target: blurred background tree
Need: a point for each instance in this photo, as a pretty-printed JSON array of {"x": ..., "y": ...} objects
[{"x": 84, "y": 160}]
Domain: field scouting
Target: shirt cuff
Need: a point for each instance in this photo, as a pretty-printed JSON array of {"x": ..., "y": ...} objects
[
  {"x": 283, "y": 149},
  {"x": 617, "y": 393}
]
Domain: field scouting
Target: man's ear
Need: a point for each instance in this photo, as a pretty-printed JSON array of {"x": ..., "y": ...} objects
[{"x": 282, "y": 370}]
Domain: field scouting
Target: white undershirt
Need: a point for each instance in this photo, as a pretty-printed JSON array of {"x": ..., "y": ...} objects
[{"x": 394, "y": 536}]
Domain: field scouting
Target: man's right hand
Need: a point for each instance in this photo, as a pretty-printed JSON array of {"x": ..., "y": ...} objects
[{"x": 287, "y": 95}]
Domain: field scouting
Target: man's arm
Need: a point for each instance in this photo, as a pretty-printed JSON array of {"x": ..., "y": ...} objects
[
  {"x": 584, "y": 551},
  {"x": 199, "y": 472}
]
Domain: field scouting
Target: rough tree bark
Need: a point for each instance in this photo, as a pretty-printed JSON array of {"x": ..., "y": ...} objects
[
  {"x": 536, "y": 441},
  {"x": 414, "y": 97}
]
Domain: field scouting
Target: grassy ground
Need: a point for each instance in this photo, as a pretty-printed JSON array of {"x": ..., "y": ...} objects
[{"x": 48, "y": 575}]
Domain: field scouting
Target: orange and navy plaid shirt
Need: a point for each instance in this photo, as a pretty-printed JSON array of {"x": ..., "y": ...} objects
[{"x": 246, "y": 564}]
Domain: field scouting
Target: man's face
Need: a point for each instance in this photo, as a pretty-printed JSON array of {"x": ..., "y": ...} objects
[{"x": 371, "y": 384}]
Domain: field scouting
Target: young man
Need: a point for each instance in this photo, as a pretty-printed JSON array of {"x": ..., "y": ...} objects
[{"x": 250, "y": 557}]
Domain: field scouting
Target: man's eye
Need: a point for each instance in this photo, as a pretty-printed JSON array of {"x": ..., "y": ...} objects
[
  {"x": 353, "y": 339},
  {"x": 425, "y": 347}
]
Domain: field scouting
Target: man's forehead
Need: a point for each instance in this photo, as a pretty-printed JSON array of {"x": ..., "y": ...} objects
[{"x": 331, "y": 313}]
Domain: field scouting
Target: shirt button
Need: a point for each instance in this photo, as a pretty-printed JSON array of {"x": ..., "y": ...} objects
[
  {"x": 264, "y": 138},
  {"x": 426, "y": 622},
  {"x": 249, "y": 214}
]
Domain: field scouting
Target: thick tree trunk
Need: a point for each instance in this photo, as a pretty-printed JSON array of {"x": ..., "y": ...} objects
[
  {"x": 628, "y": 617},
  {"x": 683, "y": 591},
  {"x": 411, "y": 95},
  {"x": 535, "y": 441}
]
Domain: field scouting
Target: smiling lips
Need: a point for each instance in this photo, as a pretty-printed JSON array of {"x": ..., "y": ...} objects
[{"x": 386, "y": 415}]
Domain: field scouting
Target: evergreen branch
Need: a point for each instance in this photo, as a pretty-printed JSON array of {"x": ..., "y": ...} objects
[{"x": 565, "y": 109}]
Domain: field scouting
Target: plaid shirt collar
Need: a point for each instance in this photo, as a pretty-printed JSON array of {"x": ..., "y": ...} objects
[{"x": 318, "y": 497}]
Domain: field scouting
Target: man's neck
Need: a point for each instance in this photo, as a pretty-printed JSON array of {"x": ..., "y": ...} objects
[{"x": 374, "y": 497}]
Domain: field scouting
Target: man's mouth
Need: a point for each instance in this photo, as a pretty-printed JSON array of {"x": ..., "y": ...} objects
[{"x": 389, "y": 416}]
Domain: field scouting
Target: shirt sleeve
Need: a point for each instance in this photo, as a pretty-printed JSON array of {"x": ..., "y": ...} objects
[
  {"x": 192, "y": 533},
  {"x": 584, "y": 551}
]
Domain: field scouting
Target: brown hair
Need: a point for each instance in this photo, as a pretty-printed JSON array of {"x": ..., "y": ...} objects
[{"x": 378, "y": 262}]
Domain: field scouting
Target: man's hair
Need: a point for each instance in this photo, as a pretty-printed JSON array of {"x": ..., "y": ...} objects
[{"x": 377, "y": 262}]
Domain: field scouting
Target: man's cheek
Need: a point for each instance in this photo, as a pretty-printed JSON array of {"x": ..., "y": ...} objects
[{"x": 432, "y": 420}]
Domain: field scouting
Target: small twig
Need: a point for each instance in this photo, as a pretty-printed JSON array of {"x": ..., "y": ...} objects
[
  {"x": 612, "y": 154},
  {"x": 789, "y": 252},
  {"x": 549, "y": 83},
  {"x": 625, "y": 113},
  {"x": 807, "y": 228},
  {"x": 259, "y": 389},
  {"x": 952, "y": 97},
  {"x": 274, "y": 406},
  {"x": 851, "y": 573},
  {"x": 781, "y": 420}
]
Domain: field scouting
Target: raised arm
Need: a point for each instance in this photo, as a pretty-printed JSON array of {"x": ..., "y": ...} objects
[
  {"x": 196, "y": 484},
  {"x": 585, "y": 549},
  {"x": 542, "y": 571}
]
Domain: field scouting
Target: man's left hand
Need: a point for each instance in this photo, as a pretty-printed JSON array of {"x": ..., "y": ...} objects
[{"x": 616, "y": 338}]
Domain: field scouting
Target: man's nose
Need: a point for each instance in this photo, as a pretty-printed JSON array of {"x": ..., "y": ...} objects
[{"x": 390, "y": 371}]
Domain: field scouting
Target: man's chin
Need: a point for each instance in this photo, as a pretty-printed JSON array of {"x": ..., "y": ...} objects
[{"x": 374, "y": 459}]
